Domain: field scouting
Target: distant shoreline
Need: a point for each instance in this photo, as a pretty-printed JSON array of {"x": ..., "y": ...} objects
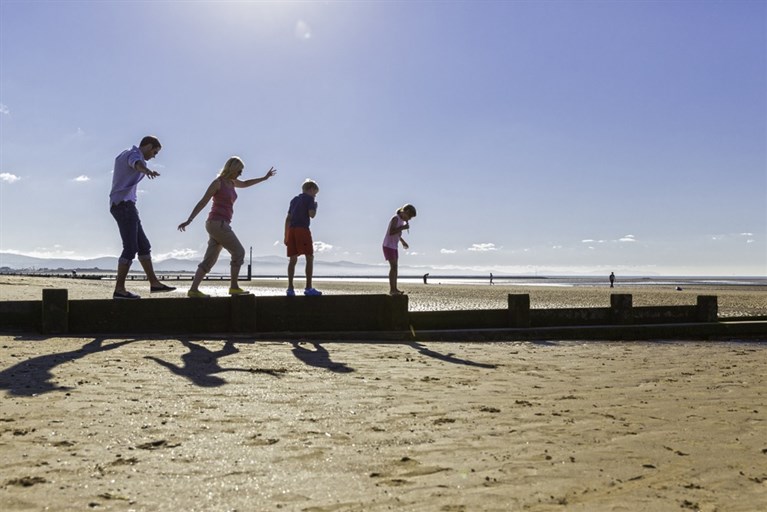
[{"x": 467, "y": 279}]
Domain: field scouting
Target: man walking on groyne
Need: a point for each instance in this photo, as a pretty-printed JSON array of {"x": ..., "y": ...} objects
[{"x": 130, "y": 168}]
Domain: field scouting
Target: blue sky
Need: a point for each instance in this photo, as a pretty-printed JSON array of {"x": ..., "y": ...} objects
[{"x": 543, "y": 137}]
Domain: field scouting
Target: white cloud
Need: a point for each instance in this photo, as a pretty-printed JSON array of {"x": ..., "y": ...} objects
[
  {"x": 746, "y": 234},
  {"x": 447, "y": 251},
  {"x": 587, "y": 241},
  {"x": 303, "y": 30},
  {"x": 57, "y": 251},
  {"x": 180, "y": 254},
  {"x": 750, "y": 241},
  {"x": 627, "y": 238},
  {"x": 482, "y": 247},
  {"x": 82, "y": 179},
  {"x": 8, "y": 177},
  {"x": 4, "y": 109},
  {"x": 322, "y": 247}
]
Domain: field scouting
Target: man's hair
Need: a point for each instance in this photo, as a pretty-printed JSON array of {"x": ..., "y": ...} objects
[
  {"x": 229, "y": 171},
  {"x": 150, "y": 139},
  {"x": 309, "y": 185},
  {"x": 409, "y": 209}
]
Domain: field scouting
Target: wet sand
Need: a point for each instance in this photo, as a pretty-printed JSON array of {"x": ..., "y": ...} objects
[
  {"x": 222, "y": 424},
  {"x": 734, "y": 301}
]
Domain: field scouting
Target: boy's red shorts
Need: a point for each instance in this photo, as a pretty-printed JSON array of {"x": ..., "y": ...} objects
[{"x": 300, "y": 242}]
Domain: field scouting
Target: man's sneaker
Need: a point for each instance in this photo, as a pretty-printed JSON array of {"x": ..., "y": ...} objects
[
  {"x": 312, "y": 292},
  {"x": 291, "y": 292},
  {"x": 197, "y": 294},
  {"x": 125, "y": 294},
  {"x": 238, "y": 291},
  {"x": 161, "y": 288}
]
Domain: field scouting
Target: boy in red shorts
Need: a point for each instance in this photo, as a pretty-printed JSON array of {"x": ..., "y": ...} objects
[{"x": 298, "y": 238}]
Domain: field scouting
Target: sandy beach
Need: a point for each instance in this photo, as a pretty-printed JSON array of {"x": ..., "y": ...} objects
[{"x": 224, "y": 424}]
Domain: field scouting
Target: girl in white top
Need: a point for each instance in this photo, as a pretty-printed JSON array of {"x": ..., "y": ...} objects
[{"x": 398, "y": 223}]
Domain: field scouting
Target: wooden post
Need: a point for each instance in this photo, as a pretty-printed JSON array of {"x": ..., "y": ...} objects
[
  {"x": 55, "y": 311},
  {"x": 621, "y": 308},
  {"x": 397, "y": 314},
  {"x": 519, "y": 310},
  {"x": 707, "y": 308},
  {"x": 242, "y": 313}
]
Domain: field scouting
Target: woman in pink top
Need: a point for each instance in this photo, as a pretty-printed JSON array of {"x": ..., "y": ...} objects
[{"x": 223, "y": 192}]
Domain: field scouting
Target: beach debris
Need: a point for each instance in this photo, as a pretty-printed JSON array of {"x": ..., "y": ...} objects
[
  {"x": 156, "y": 445},
  {"x": 26, "y": 481}
]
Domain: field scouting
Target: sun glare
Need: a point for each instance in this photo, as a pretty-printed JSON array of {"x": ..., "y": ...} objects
[{"x": 250, "y": 17}]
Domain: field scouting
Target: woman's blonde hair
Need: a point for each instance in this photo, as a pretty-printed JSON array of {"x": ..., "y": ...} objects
[{"x": 230, "y": 170}]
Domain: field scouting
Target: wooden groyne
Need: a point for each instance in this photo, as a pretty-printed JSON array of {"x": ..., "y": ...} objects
[{"x": 365, "y": 317}]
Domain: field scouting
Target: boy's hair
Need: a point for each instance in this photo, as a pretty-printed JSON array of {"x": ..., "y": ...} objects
[
  {"x": 409, "y": 209},
  {"x": 230, "y": 169},
  {"x": 309, "y": 185},
  {"x": 150, "y": 139}
]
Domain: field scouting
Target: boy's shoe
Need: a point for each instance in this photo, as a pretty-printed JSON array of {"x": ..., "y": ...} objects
[
  {"x": 238, "y": 291},
  {"x": 197, "y": 294},
  {"x": 291, "y": 292},
  {"x": 312, "y": 292},
  {"x": 125, "y": 294}
]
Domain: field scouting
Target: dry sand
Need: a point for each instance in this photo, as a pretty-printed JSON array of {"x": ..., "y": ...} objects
[{"x": 224, "y": 424}]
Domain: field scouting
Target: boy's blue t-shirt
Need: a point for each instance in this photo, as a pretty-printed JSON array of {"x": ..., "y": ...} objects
[{"x": 299, "y": 210}]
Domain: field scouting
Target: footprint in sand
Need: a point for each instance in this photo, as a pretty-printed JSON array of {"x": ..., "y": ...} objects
[{"x": 406, "y": 467}]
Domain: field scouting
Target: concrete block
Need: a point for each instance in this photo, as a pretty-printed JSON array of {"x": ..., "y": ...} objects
[{"x": 55, "y": 311}]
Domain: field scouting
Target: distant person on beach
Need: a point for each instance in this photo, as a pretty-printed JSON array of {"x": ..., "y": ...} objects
[
  {"x": 491, "y": 278},
  {"x": 130, "y": 168},
  {"x": 612, "y": 279},
  {"x": 398, "y": 223},
  {"x": 298, "y": 237},
  {"x": 425, "y": 277},
  {"x": 222, "y": 191}
]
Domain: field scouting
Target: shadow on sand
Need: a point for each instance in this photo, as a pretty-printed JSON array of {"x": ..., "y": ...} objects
[
  {"x": 318, "y": 357},
  {"x": 201, "y": 365},
  {"x": 35, "y": 376},
  {"x": 449, "y": 357}
]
